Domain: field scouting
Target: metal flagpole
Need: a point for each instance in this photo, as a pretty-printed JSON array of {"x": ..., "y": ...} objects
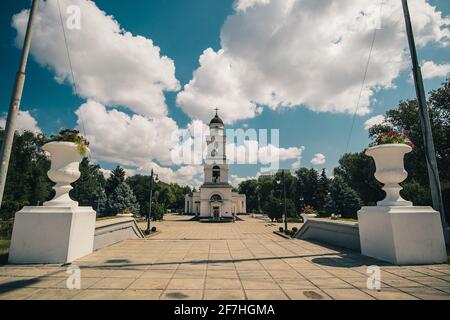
[
  {"x": 10, "y": 128},
  {"x": 430, "y": 153}
]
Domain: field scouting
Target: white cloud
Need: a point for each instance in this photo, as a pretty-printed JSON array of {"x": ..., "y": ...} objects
[
  {"x": 235, "y": 180},
  {"x": 25, "y": 122},
  {"x": 286, "y": 53},
  {"x": 252, "y": 152},
  {"x": 130, "y": 140},
  {"x": 270, "y": 153},
  {"x": 379, "y": 119},
  {"x": 111, "y": 65},
  {"x": 138, "y": 143},
  {"x": 297, "y": 164},
  {"x": 106, "y": 172},
  {"x": 242, "y": 5},
  {"x": 185, "y": 175},
  {"x": 216, "y": 84},
  {"x": 432, "y": 70},
  {"x": 318, "y": 159}
]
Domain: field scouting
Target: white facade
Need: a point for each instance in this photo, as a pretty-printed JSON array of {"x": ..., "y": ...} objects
[{"x": 216, "y": 198}]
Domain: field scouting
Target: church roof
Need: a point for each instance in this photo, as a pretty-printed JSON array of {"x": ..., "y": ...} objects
[{"x": 216, "y": 120}]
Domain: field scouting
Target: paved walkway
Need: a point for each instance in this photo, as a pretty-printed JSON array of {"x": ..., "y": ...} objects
[{"x": 244, "y": 260}]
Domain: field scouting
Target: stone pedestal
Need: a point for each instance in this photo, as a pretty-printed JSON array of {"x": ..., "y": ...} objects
[
  {"x": 52, "y": 234},
  {"x": 402, "y": 235}
]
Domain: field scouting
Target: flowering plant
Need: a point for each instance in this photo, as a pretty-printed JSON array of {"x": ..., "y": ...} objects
[
  {"x": 391, "y": 135},
  {"x": 309, "y": 210},
  {"x": 67, "y": 135}
]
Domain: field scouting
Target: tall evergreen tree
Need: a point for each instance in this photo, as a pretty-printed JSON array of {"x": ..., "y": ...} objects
[
  {"x": 116, "y": 178},
  {"x": 322, "y": 191},
  {"x": 122, "y": 199}
]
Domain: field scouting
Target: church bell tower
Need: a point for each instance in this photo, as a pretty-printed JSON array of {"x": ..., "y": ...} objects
[{"x": 216, "y": 166}]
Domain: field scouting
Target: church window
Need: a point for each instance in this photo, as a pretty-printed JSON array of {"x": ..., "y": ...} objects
[
  {"x": 216, "y": 174},
  {"x": 216, "y": 198}
]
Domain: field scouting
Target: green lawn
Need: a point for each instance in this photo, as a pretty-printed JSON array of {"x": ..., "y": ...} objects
[{"x": 4, "y": 249}]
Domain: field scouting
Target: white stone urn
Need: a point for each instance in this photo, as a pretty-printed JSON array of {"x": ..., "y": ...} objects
[
  {"x": 65, "y": 162},
  {"x": 390, "y": 171}
]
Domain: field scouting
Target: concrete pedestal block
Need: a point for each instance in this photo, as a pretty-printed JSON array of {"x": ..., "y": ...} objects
[
  {"x": 402, "y": 235},
  {"x": 52, "y": 234}
]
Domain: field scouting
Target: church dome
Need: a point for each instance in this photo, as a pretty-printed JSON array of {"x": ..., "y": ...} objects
[{"x": 216, "y": 120}]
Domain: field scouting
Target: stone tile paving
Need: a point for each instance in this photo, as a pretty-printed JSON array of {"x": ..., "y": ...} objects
[{"x": 234, "y": 261}]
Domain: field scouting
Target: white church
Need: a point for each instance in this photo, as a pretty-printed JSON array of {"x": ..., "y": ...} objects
[{"x": 216, "y": 198}]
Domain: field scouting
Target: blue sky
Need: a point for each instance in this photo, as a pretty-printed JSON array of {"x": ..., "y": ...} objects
[{"x": 183, "y": 30}]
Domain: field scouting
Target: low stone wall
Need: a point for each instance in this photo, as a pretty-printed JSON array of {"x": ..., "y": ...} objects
[
  {"x": 337, "y": 233},
  {"x": 108, "y": 232}
]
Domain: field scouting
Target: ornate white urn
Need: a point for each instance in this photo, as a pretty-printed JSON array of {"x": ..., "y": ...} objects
[
  {"x": 395, "y": 230},
  {"x": 390, "y": 171},
  {"x": 65, "y": 162}
]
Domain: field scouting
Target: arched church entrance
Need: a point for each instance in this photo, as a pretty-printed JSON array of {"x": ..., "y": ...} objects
[{"x": 216, "y": 206}]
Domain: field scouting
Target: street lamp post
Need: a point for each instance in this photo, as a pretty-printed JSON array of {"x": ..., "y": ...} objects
[
  {"x": 149, "y": 217},
  {"x": 284, "y": 203}
]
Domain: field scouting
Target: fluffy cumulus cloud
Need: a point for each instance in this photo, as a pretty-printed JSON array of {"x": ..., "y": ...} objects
[
  {"x": 318, "y": 159},
  {"x": 132, "y": 140},
  {"x": 25, "y": 122},
  {"x": 252, "y": 152},
  {"x": 191, "y": 174},
  {"x": 242, "y": 5},
  {"x": 286, "y": 53},
  {"x": 216, "y": 84},
  {"x": 432, "y": 70},
  {"x": 236, "y": 180},
  {"x": 111, "y": 65},
  {"x": 379, "y": 119}
]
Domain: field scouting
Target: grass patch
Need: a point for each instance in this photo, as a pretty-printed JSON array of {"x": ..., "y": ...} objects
[{"x": 4, "y": 249}]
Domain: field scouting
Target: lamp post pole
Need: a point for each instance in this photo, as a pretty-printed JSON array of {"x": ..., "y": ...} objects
[
  {"x": 285, "y": 204},
  {"x": 14, "y": 106},
  {"x": 430, "y": 153},
  {"x": 149, "y": 217}
]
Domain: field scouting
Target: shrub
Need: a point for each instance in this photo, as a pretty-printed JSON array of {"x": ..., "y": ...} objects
[
  {"x": 387, "y": 134},
  {"x": 153, "y": 229},
  {"x": 6, "y": 228},
  {"x": 71, "y": 136},
  {"x": 309, "y": 210},
  {"x": 294, "y": 229},
  {"x": 281, "y": 229}
]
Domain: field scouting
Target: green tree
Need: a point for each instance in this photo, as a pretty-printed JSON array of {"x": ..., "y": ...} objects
[
  {"x": 90, "y": 186},
  {"x": 27, "y": 182},
  {"x": 322, "y": 191},
  {"x": 122, "y": 199},
  {"x": 345, "y": 200},
  {"x": 307, "y": 187},
  {"x": 357, "y": 170},
  {"x": 158, "y": 211},
  {"x": 116, "y": 178},
  {"x": 250, "y": 188},
  {"x": 272, "y": 207},
  {"x": 330, "y": 206}
]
